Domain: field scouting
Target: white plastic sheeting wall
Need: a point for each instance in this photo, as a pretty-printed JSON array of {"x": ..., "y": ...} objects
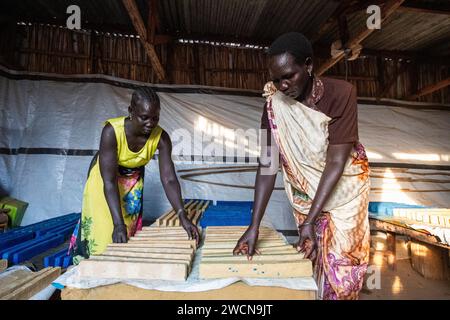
[{"x": 55, "y": 115}]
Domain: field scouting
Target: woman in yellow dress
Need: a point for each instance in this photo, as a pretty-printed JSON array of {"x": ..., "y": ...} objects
[{"x": 112, "y": 198}]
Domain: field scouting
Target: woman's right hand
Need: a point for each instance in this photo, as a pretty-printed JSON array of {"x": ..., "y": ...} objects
[
  {"x": 247, "y": 243},
  {"x": 120, "y": 234}
]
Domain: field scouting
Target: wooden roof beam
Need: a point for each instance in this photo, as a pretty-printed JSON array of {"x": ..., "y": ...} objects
[
  {"x": 343, "y": 8},
  {"x": 430, "y": 89},
  {"x": 388, "y": 10},
  {"x": 139, "y": 25}
]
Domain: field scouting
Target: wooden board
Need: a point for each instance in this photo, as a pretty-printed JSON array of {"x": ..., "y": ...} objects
[
  {"x": 161, "y": 237},
  {"x": 40, "y": 281},
  {"x": 147, "y": 255},
  {"x": 170, "y": 218},
  {"x": 280, "y": 249},
  {"x": 256, "y": 258},
  {"x": 168, "y": 256},
  {"x": 14, "y": 280},
  {"x": 162, "y": 242},
  {"x": 163, "y": 217},
  {"x": 231, "y": 245},
  {"x": 266, "y": 269},
  {"x": 138, "y": 259},
  {"x": 391, "y": 226},
  {"x": 161, "y": 229},
  {"x": 142, "y": 244},
  {"x": 219, "y": 229},
  {"x": 277, "y": 259},
  {"x": 439, "y": 217},
  {"x": 92, "y": 268},
  {"x": 229, "y": 238},
  {"x": 3, "y": 265},
  {"x": 189, "y": 251},
  {"x": 430, "y": 261},
  {"x": 197, "y": 217}
]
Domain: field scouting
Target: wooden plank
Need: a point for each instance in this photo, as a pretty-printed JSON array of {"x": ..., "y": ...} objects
[
  {"x": 229, "y": 252},
  {"x": 163, "y": 230},
  {"x": 166, "y": 221},
  {"x": 431, "y": 88},
  {"x": 150, "y": 245},
  {"x": 136, "y": 19},
  {"x": 256, "y": 258},
  {"x": 3, "y": 265},
  {"x": 191, "y": 207},
  {"x": 430, "y": 261},
  {"x": 239, "y": 234},
  {"x": 14, "y": 280},
  {"x": 428, "y": 216},
  {"x": 231, "y": 245},
  {"x": 162, "y": 242},
  {"x": 205, "y": 206},
  {"x": 235, "y": 239},
  {"x": 196, "y": 217},
  {"x": 42, "y": 280},
  {"x": 200, "y": 205},
  {"x": 225, "y": 228},
  {"x": 189, "y": 251},
  {"x": 172, "y": 221},
  {"x": 376, "y": 224},
  {"x": 391, "y": 253},
  {"x": 137, "y": 259},
  {"x": 161, "y": 235},
  {"x": 161, "y": 218},
  {"x": 161, "y": 238},
  {"x": 163, "y": 256},
  {"x": 280, "y": 249},
  {"x": 132, "y": 270},
  {"x": 236, "y": 231},
  {"x": 267, "y": 269}
]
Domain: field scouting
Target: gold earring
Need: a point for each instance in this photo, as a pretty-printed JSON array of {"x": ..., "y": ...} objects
[
  {"x": 310, "y": 73},
  {"x": 131, "y": 118}
]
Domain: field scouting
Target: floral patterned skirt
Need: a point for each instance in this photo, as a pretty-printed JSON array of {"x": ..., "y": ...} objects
[
  {"x": 343, "y": 247},
  {"x": 94, "y": 230}
]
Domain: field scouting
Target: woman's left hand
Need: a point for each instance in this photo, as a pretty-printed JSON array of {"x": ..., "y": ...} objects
[
  {"x": 190, "y": 228},
  {"x": 307, "y": 242}
]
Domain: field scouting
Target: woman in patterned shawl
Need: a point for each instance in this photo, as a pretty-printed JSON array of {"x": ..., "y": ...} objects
[{"x": 313, "y": 123}]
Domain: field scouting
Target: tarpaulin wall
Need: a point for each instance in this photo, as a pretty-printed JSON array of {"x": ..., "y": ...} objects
[{"x": 50, "y": 127}]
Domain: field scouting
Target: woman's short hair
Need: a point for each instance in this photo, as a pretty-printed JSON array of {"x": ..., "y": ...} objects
[
  {"x": 294, "y": 43},
  {"x": 146, "y": 94}
]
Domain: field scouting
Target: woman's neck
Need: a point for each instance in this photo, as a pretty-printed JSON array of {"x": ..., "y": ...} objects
[{"x": 306, "y": 94}]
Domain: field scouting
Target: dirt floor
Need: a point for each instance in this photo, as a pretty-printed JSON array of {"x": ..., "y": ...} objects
[
  {"x": 406, "y": 283},
  {"x": 403, "y": 283}
]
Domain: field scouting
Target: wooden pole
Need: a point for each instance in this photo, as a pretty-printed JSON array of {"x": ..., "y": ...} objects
[
  {"x": 430, "y": 89},
  {"x": 139, "y": 25}
]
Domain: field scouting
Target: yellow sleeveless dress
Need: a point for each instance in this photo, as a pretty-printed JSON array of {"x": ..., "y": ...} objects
[{"x": 96, "y": 222}]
